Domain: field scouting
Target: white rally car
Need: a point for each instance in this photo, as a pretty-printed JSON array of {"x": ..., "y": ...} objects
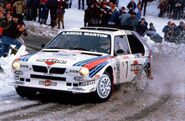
[{"x": 83, "y": 60}]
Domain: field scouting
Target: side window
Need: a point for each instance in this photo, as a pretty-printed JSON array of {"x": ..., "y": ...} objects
[
  {"x": 120, "y": 43},
  {"x": 135, "y": 45}
]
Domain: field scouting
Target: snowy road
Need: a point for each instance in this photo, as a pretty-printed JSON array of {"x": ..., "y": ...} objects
[{"x": 163, "y": 99}]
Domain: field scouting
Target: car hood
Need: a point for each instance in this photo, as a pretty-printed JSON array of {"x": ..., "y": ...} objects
[{"x": 64, "y": 58}]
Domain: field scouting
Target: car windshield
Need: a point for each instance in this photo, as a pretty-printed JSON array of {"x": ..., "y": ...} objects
[{"x": 85, "y": 41}]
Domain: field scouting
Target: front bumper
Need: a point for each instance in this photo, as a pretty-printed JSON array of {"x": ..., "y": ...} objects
[{"x": 85, "y": 86}]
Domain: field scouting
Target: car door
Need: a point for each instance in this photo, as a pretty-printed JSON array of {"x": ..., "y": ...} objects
[
  {"x": 138, "y": 52},
  {"x": 123, "y": 57}
]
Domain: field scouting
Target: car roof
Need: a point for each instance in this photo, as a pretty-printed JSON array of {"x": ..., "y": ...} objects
[{"x": 103, "y": 30}]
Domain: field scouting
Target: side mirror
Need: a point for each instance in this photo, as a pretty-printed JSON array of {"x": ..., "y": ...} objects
[{"x": 43, "y": 45}]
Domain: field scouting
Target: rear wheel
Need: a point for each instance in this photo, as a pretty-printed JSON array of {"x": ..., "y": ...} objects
[
  {"x": 104, "y": 88},
  {"x": 25, "y": 91}
]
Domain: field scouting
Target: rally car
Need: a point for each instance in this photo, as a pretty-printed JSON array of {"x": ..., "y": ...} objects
[{"x": 84, "y": 60}]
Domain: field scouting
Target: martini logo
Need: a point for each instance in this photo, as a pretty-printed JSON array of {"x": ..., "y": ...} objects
[
  {"x": 52, "y": 61},
  {"x": 135, "y": 67}
]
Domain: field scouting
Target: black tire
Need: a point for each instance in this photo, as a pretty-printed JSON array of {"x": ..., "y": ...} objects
[
  {"x": 104, "y": 88},
  {"x": 25, "y": 91}
]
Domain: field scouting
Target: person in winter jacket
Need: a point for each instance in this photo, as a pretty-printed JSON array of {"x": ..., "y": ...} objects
[
  {"x": 123, "y": 17},
  {"x": 143, "y": 6},
  {"x": 131, "y": 22},
  {"x": 177, "y": 9},
  {"x": 151, "y": 32},
  {"x": 168, "y": 31},
  {"x": 81, "y": 4},
  {"x": 142, "y": 27},
  {"x": 60, "y": 13},
  {"x": 131, "y": 6},
  {"x": 178, "y": 36},
  {"x": 113, "y": 14},
  {"x": 43, "y": 12},
  {"x": 11, "y": 34},
  {"x": 163, "y": 7},
  {"x": 19, "y": 8}
]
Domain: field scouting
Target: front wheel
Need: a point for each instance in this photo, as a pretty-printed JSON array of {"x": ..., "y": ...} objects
[
  {"x": 25, "y": 92},
  {"x": 104, "y": 88}
]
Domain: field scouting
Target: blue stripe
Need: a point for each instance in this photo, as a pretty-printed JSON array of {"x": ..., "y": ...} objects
[
  {"x": 26, "y": 58},
  {"x": 97, "y": 68},
  {"x": 81, "y": 63}
]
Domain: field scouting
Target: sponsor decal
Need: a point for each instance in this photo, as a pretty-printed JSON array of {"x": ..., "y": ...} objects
[
  {"x": 19, "y": 82},
  {"x": 135, "y": 67},
  {"x": 73, "y": 71},
  {"x": 47, "y": 83},
  {"x": 78, "y": 78},
  {"x": 24, "y": 66},
  {"x": 18, "y": 72},
  {"x": 83, "y": 84},
  {"x": 118, "y": 70},
  {"x": 85, "y": 34},
  {"x": 51, "y": 61}
]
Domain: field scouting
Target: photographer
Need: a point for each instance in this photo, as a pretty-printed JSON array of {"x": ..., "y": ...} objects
[{"x": 11, "y": 34}]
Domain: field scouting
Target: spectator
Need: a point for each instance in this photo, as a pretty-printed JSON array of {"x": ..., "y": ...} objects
[
  {"x": 138, "y": 11},
  {"x": 94, "y": 15},
  {"x": 113, "y": 14},
  {"x": 104, "y": 14},
  {"x": 151, "y": 27},
  {"x": 43, "y": 12},
  {"x": 124, "y": 16},
  {"x": 69, "y": 3},
  {"x": 143, "y": 6},
  {"x": 131, "y": 6},
  {"x": 132, "y": 22},
  {"x": 81, "y": 3},
  {"x": 177, "y": 9},
  {"x": 151, "y": 32},
  {"x": 178, "y": 36},
  {"x": 171, "y": 4},
  {"x": 60, "y": 13},
  {"x": 19, "y": 8},
  {"x": 10, "y": 35},
  {"x": 163, "y": 6},
  {"x": 142, "y": 27},
  {"x": 52, "y": 5},
  {"x": 168, "y": 31}
]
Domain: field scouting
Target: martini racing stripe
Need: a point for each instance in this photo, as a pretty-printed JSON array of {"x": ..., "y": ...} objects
[
  {"x": 95, "y": 63},
  {"x": 97, "y": 69},
  {"x": 82, "y": 63},
  {"x": 26, "y": 58}
]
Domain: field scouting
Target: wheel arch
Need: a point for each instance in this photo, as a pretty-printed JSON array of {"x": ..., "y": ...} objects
[{"x": 109, "y": 70}]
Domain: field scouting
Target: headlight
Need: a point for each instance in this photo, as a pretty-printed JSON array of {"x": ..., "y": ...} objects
[
  {"x": 16, "y": 65},
  {"x": 84, "y": 71}
]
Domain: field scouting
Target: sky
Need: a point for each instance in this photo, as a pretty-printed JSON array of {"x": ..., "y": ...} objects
[{"x": 74, "y": 18}]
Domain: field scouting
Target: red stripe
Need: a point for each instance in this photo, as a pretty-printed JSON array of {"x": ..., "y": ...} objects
[{"x": 95, "y": 63}]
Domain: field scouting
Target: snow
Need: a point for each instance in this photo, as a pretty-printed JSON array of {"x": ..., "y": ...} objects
[{"x": 74, "y": 18}]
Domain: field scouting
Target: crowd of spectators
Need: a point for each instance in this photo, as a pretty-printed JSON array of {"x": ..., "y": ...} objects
[
  {"x": 103, "y": 13},
  {"x": 172, "y": 9},
  {"x": 97, "y": 12},
  {"x": 174, "y": 33}
]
